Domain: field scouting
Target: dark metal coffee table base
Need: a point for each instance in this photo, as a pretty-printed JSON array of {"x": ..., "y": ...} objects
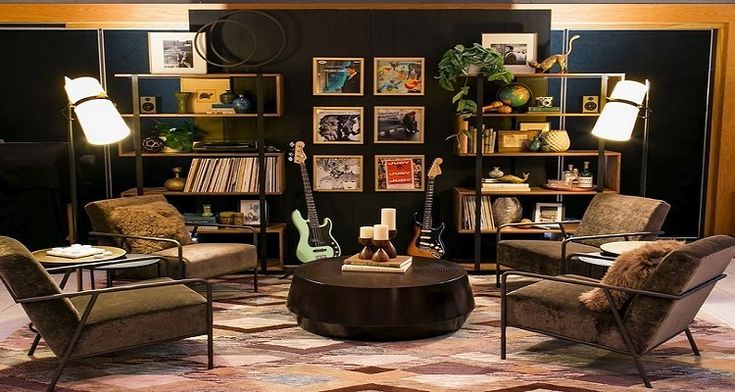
[{"x": 433, "y": 298}]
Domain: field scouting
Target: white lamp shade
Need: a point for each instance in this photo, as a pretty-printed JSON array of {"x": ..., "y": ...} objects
[
  {"x": 99, "y": 118},
  {"x": 617, "y": 119}
]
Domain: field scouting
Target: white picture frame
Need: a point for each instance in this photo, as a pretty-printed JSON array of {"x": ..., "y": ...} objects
[
  {"x": 545, "y": 213},
  {"x": 251, "y": 210},
  {"x": 174, "y": 53},
  {"x": 517, "y": 49}
]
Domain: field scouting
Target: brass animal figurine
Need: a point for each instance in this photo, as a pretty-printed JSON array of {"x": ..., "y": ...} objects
[
  {"x": 514, "y": 179},
  {"x": 560, "y": 59}
]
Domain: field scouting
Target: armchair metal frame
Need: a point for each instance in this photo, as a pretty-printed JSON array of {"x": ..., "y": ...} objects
[
  {"x": 180, "y": 248},
  {"x": 566, "y": 239},
  {"x": 630, "y": 349},
  {"x": 90, "y": 305}
]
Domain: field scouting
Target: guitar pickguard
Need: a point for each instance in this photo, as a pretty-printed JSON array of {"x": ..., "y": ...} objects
[{"x": 310, "y": 248}]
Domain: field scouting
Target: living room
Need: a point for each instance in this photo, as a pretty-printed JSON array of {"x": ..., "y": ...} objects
[{"x": 589, "y": 222}]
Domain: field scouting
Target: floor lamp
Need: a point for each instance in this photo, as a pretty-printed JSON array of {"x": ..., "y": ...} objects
[
  {"x": 617, "y": 120},
  {"x": 100, "y": 121}
]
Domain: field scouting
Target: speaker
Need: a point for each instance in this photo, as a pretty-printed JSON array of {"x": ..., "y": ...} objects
[
  {"x": 148, "y": 105},
  {"x": 590, "y": 104}
]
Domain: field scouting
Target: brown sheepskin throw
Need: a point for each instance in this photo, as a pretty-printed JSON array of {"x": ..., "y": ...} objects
[
  {"x": 156, "y": 219},
  {"x": 631, "y": 269}
]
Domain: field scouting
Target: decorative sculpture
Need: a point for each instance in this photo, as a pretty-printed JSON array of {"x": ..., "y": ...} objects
[{"x": 561, "y": 59}]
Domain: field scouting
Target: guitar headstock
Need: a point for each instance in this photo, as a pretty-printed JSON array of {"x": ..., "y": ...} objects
[
  {"x": 435, "y": 169},
  {"x": 297, "y": 155}
]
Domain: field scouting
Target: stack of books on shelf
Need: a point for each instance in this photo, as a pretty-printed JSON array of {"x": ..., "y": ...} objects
[
  {"x": 230, "y": 175},
  {"x": 490, "y": 184},
  {"x": 222, "y": 108},
  {"x": 197, "y": 218},
  {"x": 544, "y": 109},
  {"x": 467, "y": 143},
  {"x": 468, "y": 213},
  {"x": 399, "y": 265}
]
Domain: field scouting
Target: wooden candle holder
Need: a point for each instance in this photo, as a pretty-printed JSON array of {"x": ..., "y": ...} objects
[
  {"x": 389, "y": 248},
  {"x": 380, "y": 254},
  {"x": 368, "y": 250}
]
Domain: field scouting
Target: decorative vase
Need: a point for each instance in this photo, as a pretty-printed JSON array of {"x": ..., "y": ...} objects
[
  {"x": 496, "y": 172},
  {"x": 175, "y": 184},
  {"x": 507, "y": 210},
  {"x": 182, "y": 99},
  {"x": 207, "y": 210},
  {"x": 242, "y": 104},
  {"x": 153, "y": 144},
  {"x": 227, "y": 97},
  {"x": 557, "y": 140},
  {"x": 535, "y": 144}
]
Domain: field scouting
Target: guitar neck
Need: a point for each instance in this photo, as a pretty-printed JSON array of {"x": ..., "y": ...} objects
[
  {"x": 310, "y": 205},
  {"x": 426, "y": 223}
]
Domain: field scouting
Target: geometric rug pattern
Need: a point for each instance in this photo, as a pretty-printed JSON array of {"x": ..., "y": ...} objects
[{"x": 258, "y": 347}]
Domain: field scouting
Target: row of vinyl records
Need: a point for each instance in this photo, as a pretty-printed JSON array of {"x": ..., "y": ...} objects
[
  {"x": 466, "y": 143},
  {"x": 230, "y": 175},
  {"x": 486, "y": 213}
]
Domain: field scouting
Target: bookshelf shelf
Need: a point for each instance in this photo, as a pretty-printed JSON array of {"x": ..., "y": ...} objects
[
  {"x": 535, "y": 191},
  {"x": 199, "y": 115},
  {"x": 164, "y": 191},
  {"x": 131, "y": 154},
  {"x": 568, "y": 153},
  {"x": 512, "y": 230}
]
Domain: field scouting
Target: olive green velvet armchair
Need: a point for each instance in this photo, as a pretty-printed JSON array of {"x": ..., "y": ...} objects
[
  {"x": 182, "y": 257},
  {"x": 93, "y": 322},
  {"x": 609, "y": 217},
  {"x": 664, "y": 307}
]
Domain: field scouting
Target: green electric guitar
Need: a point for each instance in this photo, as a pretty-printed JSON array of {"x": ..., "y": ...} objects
[{"x": 315, "y": 240}]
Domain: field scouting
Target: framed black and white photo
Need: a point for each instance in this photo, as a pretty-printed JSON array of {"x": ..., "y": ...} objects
[
  {"x": 174, "y": 53},
  {"x": 517, "y": 49},
  {"x": 337, "y": 173},
  {"x": 399, "y": 124},
  {"x": 398, "y": 76},
  {"x": 251, "y": 211},
  {"x": 338, "y": 125},
  {"x": 338, "y": 75},
  {"x": 548, "y": 212}
]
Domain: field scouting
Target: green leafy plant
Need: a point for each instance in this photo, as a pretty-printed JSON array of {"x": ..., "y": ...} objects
[
  {"x": 179, "y": 137},
  {"x": 456, "y": 63}
]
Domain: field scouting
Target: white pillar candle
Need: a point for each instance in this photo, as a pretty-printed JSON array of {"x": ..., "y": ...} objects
[
  {"x": 388, "y": 217},
  {"x": 366, "y": 232},
  {"x": 380, "y": 232}
]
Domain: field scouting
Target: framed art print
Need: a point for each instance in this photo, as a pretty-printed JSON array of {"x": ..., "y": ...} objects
[
  {"x": 399, "y": 124},
  {"x": 548, "y": 212},
  {"x": 174, "y": 53},
  {"x": 337, "y": 173},
  {"x": 338, "y": 125},
  {"x": 398, "y": 76},
  {"x": 338, "y": 75},
  {"x": 399, "y": 172},
  {"x": 251, "y": 211},
  {"x": 517, "y": 49}
]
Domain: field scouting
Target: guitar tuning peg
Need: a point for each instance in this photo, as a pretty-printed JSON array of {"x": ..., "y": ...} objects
[{"x": 292, "y": 144}]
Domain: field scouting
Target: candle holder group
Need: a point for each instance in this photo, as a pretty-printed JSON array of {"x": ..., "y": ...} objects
[{"x": 376, "y": 239}]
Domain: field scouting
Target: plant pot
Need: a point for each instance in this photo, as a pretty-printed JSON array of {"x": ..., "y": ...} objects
[
  {"x": 169, "y": 150},
  {"x": 472, "y": 70}
]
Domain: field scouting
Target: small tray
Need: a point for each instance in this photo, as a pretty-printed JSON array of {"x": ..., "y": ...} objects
[{"x": 569, "y": 188}]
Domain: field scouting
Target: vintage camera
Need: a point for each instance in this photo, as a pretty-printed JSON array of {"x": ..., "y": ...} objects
[
  {"x": 148, "y": 105},
  {"x": 590, "y": 104},
  {"x": 545, "y": 102}
]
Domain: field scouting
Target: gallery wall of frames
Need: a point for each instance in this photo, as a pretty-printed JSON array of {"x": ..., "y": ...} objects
[{"x": 337, "y": 69}]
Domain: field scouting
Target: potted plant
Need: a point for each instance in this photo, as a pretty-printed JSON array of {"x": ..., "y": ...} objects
[
  {"x": 176, "y": 138},
  {"x": 462, "y": 62}
]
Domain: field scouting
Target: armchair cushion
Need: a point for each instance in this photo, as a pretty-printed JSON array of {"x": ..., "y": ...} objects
[
  {"x": 155, "y": 219},
  {"x": 207, "y": 260},
  {"x": 537, "y": 255},
  {"x": 631, "y": 269},
  {"x": 130, "y": 318}
]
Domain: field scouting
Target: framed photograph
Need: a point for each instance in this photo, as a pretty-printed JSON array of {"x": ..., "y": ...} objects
[
  {"x": 535, "y": 126},
  {"x": 337, "y": 173},
  {"x": 398, "y": 76},
  {"x": 251, "y": 210},
  {"x": 517, "y": 49},
  {"x": 338, "y": 75},
  {"x": 338, "y": 125},
  {"x": 515, "y": 141},
  {"x": 399, "y": 172},
  {"x": 204, "y": 92},
  {"x": 399, "y": 124},
  {"x": 548, "y": 212},
  {"x": 174, "y": 53}
]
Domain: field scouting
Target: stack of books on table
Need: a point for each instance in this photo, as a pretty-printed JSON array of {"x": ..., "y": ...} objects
[
  {"x": 399, "y": 265},
  {"x": 489, "y": 184}
]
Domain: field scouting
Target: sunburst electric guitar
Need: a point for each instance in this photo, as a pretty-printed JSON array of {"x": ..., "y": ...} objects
[
  {"x": 427, "y": 240},
  {"x": 315, "y": 240}
]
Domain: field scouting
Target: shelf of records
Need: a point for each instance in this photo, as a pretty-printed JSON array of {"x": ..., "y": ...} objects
[{"x": 234, "y": 175}]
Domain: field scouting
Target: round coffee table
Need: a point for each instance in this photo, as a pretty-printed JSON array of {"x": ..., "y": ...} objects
[{"x": 432, "y": 298}]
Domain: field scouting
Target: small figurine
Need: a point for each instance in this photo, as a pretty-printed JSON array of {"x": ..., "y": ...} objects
[
  {"x": 561, "y": 59},
  {"x": 514, "y": 179}
]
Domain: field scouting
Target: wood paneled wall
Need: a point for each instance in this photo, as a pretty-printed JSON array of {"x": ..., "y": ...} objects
[{"x": 720, "y": 216}]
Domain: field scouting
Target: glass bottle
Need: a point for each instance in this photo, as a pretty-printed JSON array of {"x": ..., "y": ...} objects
[
  {"x": 585, "y": 176},
  {"x": 575, "y": 178},
  {"x": 568, "y": 175}
]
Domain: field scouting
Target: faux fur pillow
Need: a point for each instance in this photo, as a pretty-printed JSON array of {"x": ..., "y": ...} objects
[
  {"x": 156, "y": 219},
  {"x": 631, "y": 269}
]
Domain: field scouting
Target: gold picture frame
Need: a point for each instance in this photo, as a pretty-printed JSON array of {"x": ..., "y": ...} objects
[
  {"x": 338, "y": 173},
  {"x": 515, "y": 141},
  {"x": 535, "y": 126},
  {"x": 205, "y": 92},
  {"x": 338, "y": 125},
  {"x": 401, "y": 181},
  {"x": 399, "y": 76},
  {"x": 330, "y": 75},
  {"x": 399, "y": 124}
]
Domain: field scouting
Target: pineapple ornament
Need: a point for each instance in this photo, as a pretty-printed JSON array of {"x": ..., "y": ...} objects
[{"x": 556, "y": 140}]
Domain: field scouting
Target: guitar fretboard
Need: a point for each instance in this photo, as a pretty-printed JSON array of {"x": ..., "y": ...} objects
[
  {"x": 311, "y": 214},
  {"x": 427, "y": 223}
]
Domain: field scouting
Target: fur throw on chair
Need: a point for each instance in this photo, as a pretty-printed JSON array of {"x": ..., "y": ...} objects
[{"x": 631, "y": 269}]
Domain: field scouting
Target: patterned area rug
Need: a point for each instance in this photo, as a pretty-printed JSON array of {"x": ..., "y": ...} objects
[{"x": 258, "y": 347}]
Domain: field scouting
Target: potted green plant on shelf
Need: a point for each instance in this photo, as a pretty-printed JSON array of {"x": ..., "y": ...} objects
[
  {"x": 178, "y": 138},
  {"x": 465, "y": 62}
]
